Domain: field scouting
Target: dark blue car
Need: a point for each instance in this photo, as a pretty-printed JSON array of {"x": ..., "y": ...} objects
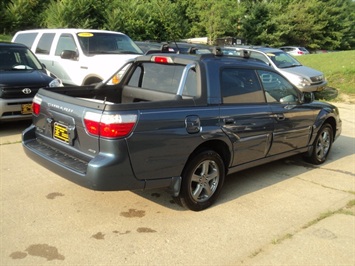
[{"x": 21, "y": 75}]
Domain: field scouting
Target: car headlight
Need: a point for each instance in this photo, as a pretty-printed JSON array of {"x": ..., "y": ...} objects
[
  {"x": 303, "y": 82},
  {"x": 56, "y": 83}
]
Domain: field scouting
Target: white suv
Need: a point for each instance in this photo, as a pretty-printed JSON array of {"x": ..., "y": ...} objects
[{"x": 79, "y": 56}]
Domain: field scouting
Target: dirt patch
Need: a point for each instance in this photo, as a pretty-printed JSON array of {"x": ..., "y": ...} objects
[{"x": 332, "y": 94}]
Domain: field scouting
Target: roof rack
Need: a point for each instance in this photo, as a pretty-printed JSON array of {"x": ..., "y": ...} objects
[{"x": 217, "y": 51}]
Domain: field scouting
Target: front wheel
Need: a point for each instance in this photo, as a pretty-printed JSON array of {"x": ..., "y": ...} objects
[
  {"x": 202, "y": 181},
  {"x": 321, "y": 146}
]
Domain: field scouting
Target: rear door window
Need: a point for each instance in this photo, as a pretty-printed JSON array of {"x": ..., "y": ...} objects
[{"x": 241, "y": 86}]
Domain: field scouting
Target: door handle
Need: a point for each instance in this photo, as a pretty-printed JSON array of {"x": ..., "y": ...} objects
[
  {"x": 228, "y": 121},
  {"x": 280, "y": 117}
]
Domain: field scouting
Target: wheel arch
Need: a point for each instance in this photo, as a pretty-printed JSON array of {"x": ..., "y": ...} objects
[
  {"x": 218, "y": 146},
  {"x": 331, "y": 121},
  {"x": 318, "y": 125},
  {"x": 91, "y": 80}
]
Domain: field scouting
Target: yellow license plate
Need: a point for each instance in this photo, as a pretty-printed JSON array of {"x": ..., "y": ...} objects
[
  {"x": 26, "y": 108},
  {"x": 60, "y": 132}
]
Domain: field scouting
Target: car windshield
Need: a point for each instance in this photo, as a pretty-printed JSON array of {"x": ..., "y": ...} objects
[
  {"x": 283, "y": 60},
  {"x": 18, "y": 58},
  {"x": 107, "y": 43}
]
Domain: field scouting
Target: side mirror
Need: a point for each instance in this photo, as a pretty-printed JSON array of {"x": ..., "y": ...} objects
[
  {"x": 308, "y": 97},
  {"x": 69, "y": 54}
]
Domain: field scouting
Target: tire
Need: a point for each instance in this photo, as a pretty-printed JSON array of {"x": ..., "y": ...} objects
[
  {"x": 202, "y": 181},
  {"x": 321, "y": 146}
]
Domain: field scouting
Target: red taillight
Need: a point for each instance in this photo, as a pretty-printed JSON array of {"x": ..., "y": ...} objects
[
  {"x": 109, "y": 126},
  {"x": 300, "y": 52},
  {"x": 115, "y": 130},
  {"x": 36, "y": 105},
  {"x": 162, "y": 59}
]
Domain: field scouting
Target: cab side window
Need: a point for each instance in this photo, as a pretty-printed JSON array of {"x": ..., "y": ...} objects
[
  {"x": 277, "y": 88},
  {"x": 65, "y": 42},
  {"x": 240, "y": 86},
  {"x": 45, "y": 43}
]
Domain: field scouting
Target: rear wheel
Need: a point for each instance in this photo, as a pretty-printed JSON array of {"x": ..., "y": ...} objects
[
  {"x": 321, "y": 146},
  {"x": 202, "y": 181}
]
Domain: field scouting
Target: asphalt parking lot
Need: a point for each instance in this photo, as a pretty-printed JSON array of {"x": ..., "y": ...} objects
[{"x": 284, "y": 213}]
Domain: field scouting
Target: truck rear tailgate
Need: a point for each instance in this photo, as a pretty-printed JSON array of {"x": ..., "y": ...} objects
[
  {"x": 66, "y": 137},
  {"x": 59, "y": 123}
]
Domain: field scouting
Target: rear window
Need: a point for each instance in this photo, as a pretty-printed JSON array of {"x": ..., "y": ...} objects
[
  {"x": 164, "y": 78},
  {"x": 26, "y": 38}
]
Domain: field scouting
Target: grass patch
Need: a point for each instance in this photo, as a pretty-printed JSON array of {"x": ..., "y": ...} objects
[
  {"x": 255, "y": 253},
  {"x": 338, "y": 68},
  {"x": 5, "y": 38},
  {"x": 322, "y": 216},
  {"x": 345, "y": 210},
  {"x": 350, "y": 204},
  {"x": 279, "y": 240},
  {"x": 8, "y": 143}
]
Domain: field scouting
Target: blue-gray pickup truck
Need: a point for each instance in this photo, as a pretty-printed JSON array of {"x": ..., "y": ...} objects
[{"x": 180, "y": 122}]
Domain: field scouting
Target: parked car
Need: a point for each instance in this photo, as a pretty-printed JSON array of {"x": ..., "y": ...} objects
[
  {"x": 174, "y": 47},
  {"x": 184, "y": 47},
  {"x": 304, "y": 78},
  {"x": 79, "y": 56},
  {"x": 146, "y": 46},
  {"x": 178, "y": 121},
  {"x": 21, "y": 75},
  {"x": 294, "y": 50}
]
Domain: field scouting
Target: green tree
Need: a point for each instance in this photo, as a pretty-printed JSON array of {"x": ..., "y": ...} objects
[
  {"x": 20, "y": 15},
  {"x": 129, "y": 17},
  {"x": 315, "y": 24},
  {"x": 260, "y": 25},
  {"x": 74, "y": 14},
  {"x": 300, "y": 24},
  {"x": 146, "y": 20},
  {"x": 338, "y": 17},
  {"x": 213, "y": 18}
]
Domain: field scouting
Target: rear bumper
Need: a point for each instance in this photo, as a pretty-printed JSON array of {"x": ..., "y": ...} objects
[{"x": 105, "y": 172}]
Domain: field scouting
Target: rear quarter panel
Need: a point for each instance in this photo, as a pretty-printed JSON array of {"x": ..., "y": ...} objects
[{"x": 160, "y": 144}]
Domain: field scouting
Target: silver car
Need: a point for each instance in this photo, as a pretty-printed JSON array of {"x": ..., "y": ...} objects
[
  {"x": 304, "y": 78},
  {"x": 294, "y": 50}
]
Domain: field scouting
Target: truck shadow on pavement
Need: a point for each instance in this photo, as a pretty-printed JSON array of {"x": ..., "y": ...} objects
[
  {"x": 10, "y": 128},
  {"x": 254, "y": 179}
]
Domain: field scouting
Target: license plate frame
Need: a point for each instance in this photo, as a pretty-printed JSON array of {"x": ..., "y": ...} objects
[
  {"x": 26, "y": 108},
  {"x": 61, "y": 133}
]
